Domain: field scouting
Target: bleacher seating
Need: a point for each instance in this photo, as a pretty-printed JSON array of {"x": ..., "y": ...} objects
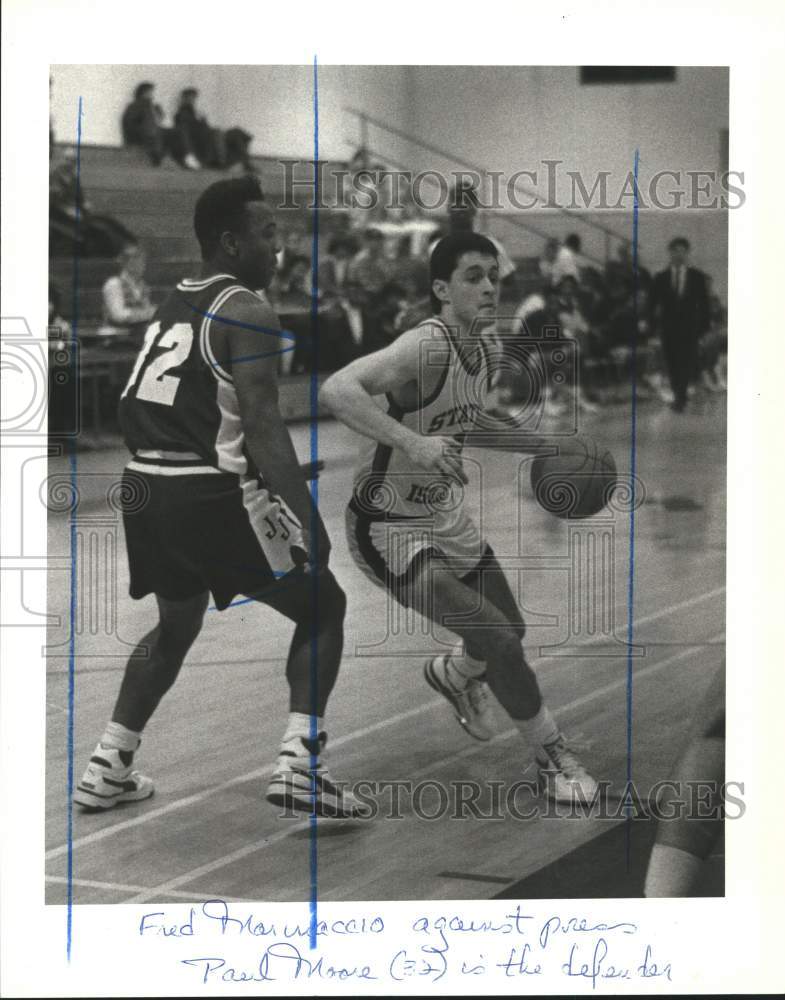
[{"x": 157, "y": 206}]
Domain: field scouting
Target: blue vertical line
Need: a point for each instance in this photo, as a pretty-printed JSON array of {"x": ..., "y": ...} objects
[
  {"x": 315, "y": 554},
  {"x": 72, "y": 526},
  {"x": 633, "y": 467}
]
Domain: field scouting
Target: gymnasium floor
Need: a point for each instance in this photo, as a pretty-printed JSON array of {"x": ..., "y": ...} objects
[{"x": 212, "y": 744}]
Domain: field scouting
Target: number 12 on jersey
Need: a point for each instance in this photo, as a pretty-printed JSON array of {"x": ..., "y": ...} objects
[{"x": 156, "y": 386}]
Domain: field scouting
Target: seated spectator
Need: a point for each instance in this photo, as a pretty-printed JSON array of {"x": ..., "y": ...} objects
[
  {"x": 73, "y": 225},
  {"x": 567, "y": 262},
  {"x": 592, "y": 296},
  {"x": 546, "y": 262},
  {"x": 571, "y": 318},
  {"x": 237, "y": 150},
  {"x": 533, "y": 302},
  {"x": 294, "y": 284},
  {"x": 713, "y": 345},
  {"x": 383, "y": 318},
  {"x": 411, "y": 272},
  {"x": 620, "y": 270},
  {"x": 58, "y": 328},
  {"x": 142, "y": 124},
  {"x": 575, "y": 325},
  {"x": 195, "y": 143},
  {"x": 63, "y": 380},
  {"x": 126, "y": 298},
  {"x": 334, "y": 266},
  {"x": 520, "y": 380},
  {"x": 369, "y": 269}
]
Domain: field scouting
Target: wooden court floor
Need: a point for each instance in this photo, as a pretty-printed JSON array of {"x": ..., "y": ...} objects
[{"x": 211, "y": 746}]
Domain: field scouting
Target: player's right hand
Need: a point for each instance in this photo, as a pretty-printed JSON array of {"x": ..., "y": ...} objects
[{"x": 437, "y": 454}]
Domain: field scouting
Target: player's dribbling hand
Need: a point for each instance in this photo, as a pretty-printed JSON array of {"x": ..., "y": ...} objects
[{"x": 437, "y": 454}]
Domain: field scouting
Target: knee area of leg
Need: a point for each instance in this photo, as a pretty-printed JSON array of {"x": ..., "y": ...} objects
[
  {"x": 332, "y": 601},
  {"x": 181, "y": 630}
]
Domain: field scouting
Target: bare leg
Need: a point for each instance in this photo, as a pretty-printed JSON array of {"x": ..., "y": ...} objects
[
  {"x": 317, "y": 605},
  {"x": 147, "y": 679},
  {"x": 490, "y": 636}
]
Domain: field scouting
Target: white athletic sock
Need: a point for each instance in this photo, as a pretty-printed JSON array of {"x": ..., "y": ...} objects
[
  {"x": 672, "y": 872},
  {"x": 541, "y": 729},
  {"x": 460, "y": 667},
  {"x": 120, "y": 738},
  {"x": 299, "y": 727}
]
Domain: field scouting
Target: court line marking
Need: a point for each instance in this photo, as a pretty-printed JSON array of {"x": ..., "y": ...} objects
[
  {"x": 118, "y": 887},
  {"x": 261, "y": 772},
  {"x": 471, "y": 877},
  {"x": 245, "y": 851}
]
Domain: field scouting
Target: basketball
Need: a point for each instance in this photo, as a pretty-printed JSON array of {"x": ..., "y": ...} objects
[{"x": 576, "y": 482}]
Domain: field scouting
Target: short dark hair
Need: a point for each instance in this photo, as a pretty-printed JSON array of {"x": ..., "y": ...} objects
[
  {"x": 141, "y": 88},
  {"x": 573, "y": 241},
  {"x": 446, "y": 253},
  {"x": 679, "y": 241},
  {"x": 222, "y": 207}
]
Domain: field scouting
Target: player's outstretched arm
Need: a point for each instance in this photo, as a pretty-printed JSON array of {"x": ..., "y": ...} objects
[
  {"x": 348, "y": 394},
  {"x": 253, "y": 345}
]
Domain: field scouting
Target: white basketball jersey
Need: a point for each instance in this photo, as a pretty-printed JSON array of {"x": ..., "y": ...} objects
[{"x": 387, "y": 485}]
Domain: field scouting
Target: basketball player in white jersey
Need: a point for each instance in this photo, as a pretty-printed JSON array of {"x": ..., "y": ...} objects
[
  {"x": 227, "y": 508},
  {"x": 406, "y": 524}
]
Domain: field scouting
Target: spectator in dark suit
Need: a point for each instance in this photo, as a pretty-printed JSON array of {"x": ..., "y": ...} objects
[{"x": 680, "y": 308}]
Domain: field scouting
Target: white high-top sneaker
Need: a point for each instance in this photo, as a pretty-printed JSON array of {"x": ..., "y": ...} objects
[{"x": 109, "y": 780}]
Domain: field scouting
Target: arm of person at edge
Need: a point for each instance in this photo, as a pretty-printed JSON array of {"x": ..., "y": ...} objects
[
  {"x": 252, "y": 349},
  {"x": 396, "y": 369}
]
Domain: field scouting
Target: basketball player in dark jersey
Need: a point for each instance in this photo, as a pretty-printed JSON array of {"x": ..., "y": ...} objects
[
  {"x": 226, "y": 506},
  {"x": 406, "y": 524}
]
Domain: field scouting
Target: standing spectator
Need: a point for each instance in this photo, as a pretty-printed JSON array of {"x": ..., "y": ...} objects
[
  {"x": 126, "y": 297},
  {"x": 142, "y": 124},
  {"x": 680, "y": 307},
  {"x": 195, "y": 142}
]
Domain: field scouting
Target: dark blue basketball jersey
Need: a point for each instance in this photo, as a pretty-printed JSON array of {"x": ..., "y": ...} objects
[{"x": 179, "y": 403}]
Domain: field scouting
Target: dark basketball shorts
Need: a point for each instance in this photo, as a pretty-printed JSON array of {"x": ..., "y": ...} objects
[{"x": 186, "y": 534}]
